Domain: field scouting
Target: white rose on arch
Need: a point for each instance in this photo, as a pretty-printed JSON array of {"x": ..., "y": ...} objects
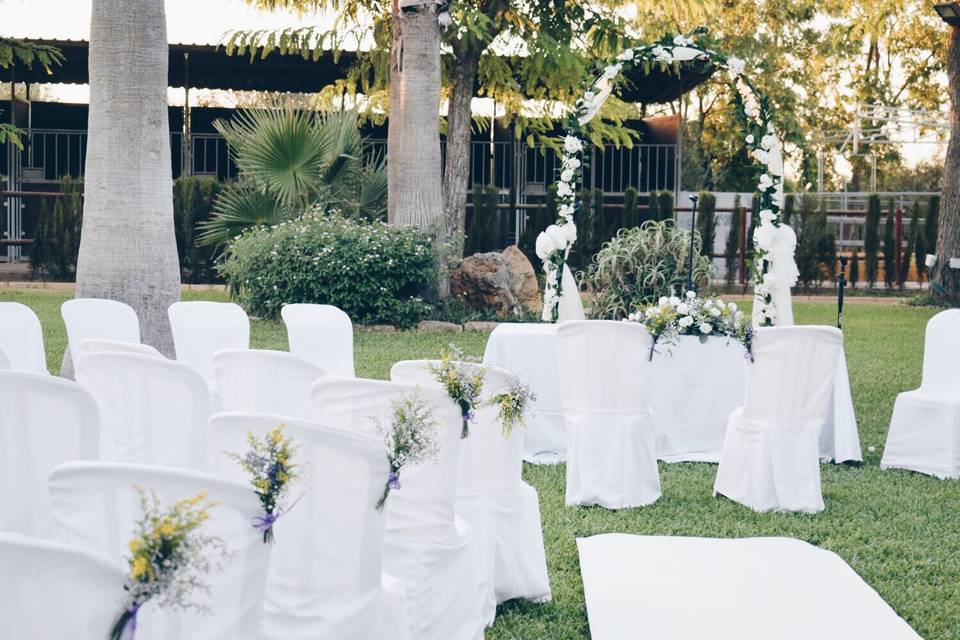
[
  {"x": 683, "y": 54},
  {"x": 558, "y": 236},
  {"x": 566, "y": 175},
  {"x": 736, "y": 66},
  {"x": 569, "y": 162},
  {"x": 766, "y": 183},
  {"x": 626, "y": 56},
  {"x": 572, "y": 144},
  {"x": 545, "y": 246},
  {"x": 570, "y": 232},
  {"x": 563, "y": 189}
]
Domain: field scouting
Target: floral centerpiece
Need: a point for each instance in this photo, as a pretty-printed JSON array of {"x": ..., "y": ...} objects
[
  {"x": 410, "y": 438},
  {"x": 270, "y": 465},
  {"x": 691, "y": 315},
  {"x": 463, "y": 382},
  {"x": 169, "y": 556},
  {"x": 513, "y": 404}
]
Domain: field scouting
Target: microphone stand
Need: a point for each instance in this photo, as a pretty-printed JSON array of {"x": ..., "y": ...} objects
[
  {"x": 842, "y": 284},
  {"x": 693, "y": 227}
]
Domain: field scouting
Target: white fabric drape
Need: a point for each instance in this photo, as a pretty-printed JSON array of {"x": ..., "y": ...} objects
[
  {"x": 21, "y": 339},
  {"x": 770, "y": 458},
  {"x": 490, "y": 468},
  {"x": 202, "y": 328},
  {"x": 44, "y": 421},
  {"x": 571, "y": 306},
  {"x": 99, "y": 318},
  {"x": 52, "y": 590},
  {"x": 265, "y": 381},
  {"x": 677, "y": 588},
  {"x": 321, "y": 334},
  {"x": 96, "y": 506},
  {"x": 924, "y": 432},
  {"x": 152, "y": 410},
  {"x": 427, "y": 545},
  {"x": 325, "y": 573},
  {"x": 605, "y": 381}
]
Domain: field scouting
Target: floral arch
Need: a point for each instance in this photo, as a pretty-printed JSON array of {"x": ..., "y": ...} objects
[{"x": 553, "y": 244}]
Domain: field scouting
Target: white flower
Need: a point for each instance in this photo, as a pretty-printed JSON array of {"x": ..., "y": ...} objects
[
  {"x": 761, "y": 156},
  {"x": 626, "y": 56},
  {"x": 564, "y": 190},
  {"x": 705, "y": 327},
  {"x": 545, "y": 246},
  {"x": 661, "y": 55},
  {"x": 766, "y": 216},
  {"x": 664, "y": 301},
  {"x": 674, "y": 301},
  {"x": 736, "y": 66},
  {"x": 570, "y": 232},
  {"x": 685, "y": 321},
  {"x": 681, "y": 41},
  {"x": 653, "y": 311},
  {"x": 732, "y": 307},
  {"x": 766, "y": 183},
  {"x": 715, "y": 312},
  {"x": 570, "y": 162},
  {"x": 565, "y": 210},
  {"x": 572, "y": 144},
  {"x": 683, "y": 307},
  {"x": 551, "y": 278},
  {"x": 558, "y": 235},
  {"x": 566, "y": 175},
  {"x": 750, "y": 139},
  {"x": 768, "y": 141},
  {"x": 691, "y": 295}
]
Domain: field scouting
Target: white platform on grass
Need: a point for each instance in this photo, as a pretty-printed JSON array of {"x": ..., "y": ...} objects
[
  {"x": 695, "y": 387},
  {"x": 676, "y": 588}
]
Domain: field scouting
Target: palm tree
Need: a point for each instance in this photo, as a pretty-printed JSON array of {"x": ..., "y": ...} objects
[
  {"x": 128, "y": 250},
  {"x": 293, "y": 161}
]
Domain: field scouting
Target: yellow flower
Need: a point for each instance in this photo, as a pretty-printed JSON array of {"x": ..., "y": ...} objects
[
  {"x": 140, "y": 568},
  {"x": 135, "y": 545}
]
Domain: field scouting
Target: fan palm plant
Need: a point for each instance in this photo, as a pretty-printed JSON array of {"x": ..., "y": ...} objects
[{"x": 292, "y": 161}]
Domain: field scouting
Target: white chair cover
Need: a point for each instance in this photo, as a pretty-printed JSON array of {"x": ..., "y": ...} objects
[
  {"x": 21, "y": 338},
  {"x": 490, "y": 465},
  {"x": 265, "y": 381},
  {"x": 426, "y": 546},
  {"x": 202, "y": 328},
  {"x": 770, "y": 458},
  {"x": 97, "y": 345},
  {"x": 97, "y": 506},
  {"x": 51, "y": 590},
  {"x": 924, "y": 433},
  {"x": 152, "y": 410},
  {"x": 4, "y": 361},
  {"x": 605, "y": 379},
  {"x": 325, "y": 574},
  {"x": 98, "y": 318},
  {"x": 321, "y": 334},
  {"x": 44, "y": 421}
]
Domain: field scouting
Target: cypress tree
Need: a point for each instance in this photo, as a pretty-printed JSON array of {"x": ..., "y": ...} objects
[
  {"x": 665, "y": 205},
  {"x": 652, "y": 213},
  {"x": 913, "y": 240},
  {"x": 707, "y": 222},
  {"x": 600, "y": 231},
  {"x": 871, "y": 238},
  {"x": 786, "y": 215},
  {"x": 889, "y": 249},
  {"x": 631, "y": 216},
  {"x": 931, "y": 225},
  {"x": 855, "y": 269},
  {"x": 826, "y": 244},
  {"x": 732, "y": 249}
]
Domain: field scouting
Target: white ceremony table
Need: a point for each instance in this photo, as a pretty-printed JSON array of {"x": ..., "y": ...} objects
[{"x": 695, "y": 387}]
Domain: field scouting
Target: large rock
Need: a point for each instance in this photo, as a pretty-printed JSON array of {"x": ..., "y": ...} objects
[{"x": 505, "y": 281}]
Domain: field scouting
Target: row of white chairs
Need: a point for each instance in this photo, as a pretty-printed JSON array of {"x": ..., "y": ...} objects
[{"x": 146, "y": 410}]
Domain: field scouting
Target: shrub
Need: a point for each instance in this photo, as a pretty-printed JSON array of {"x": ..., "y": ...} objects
[
  {"x": 789, "y": 204},
  {"x": 931, "y": 225},
  {"x": 639, "y": 265},
  {"x": 631, "y": 216},
  {"x": 374, "y": 272},
  {"x": 707, "y": 222},
  {"x": 889, "y": 249},
  {"x": 483, "y": 230},
  {"x": 855, "y": 269},
  {"x": 665, "y": 205},
  {"x": 808, "y": 243},
  {"x": 193, "y": 200},
  {"x": 871, "y": 238},
  {"x": 57, "y": 240},
  {"x": 732, "y": 250}
]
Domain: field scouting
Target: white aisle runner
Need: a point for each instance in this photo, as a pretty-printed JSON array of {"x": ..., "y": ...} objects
[{"x": 675, "y": 588}]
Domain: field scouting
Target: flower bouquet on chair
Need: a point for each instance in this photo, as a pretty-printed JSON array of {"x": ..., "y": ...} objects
[
  {"x": 513, "y": 404},
  {"x": 169, "y": 557},
  {"x": 410, "y": 438},
  {"x": 270, "y": 465},
  {"x": 462, "y": 380}
]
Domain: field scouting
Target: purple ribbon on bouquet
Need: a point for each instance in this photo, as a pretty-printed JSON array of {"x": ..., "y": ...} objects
[
  {"x": 126, "y": 625},
  {"x": 394, "y": 481},
  {"x": 264, "y": 524}
]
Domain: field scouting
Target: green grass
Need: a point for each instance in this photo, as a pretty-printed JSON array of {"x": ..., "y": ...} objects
[{"x": 899, "y": 530}]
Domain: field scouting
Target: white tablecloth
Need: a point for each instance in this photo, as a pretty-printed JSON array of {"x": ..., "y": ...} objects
[{"x": 696, "y": 386}]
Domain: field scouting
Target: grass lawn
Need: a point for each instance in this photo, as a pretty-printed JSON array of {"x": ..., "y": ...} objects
[{"x": 899, "y": 530}]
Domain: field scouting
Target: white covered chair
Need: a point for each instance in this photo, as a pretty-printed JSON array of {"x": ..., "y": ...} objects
[
  {"x": 21, "y": 339},
  {"x": 924, "y": 433},
  {"x": 98, "y": 318},
  {"x": 605, "y": 380},
  {"x": 201, "y": 328},
  {"x": 265, "y": 381},
  {"x": 44, "y": 421},
  {"x": 97, "y": 345},
  {"x": 52, "y": 590},
  {"x": 321, "y": 334},
  {"x": 4, "y": 361},
  {"x": 490, "y": 465},
  {"x": 325, "y": 574},
  {"x": 96, "y": 506},
  {"x": 152, "y": 410},
  {"x": 770, "y": 459},
  {"x": 427, "y": 545}
]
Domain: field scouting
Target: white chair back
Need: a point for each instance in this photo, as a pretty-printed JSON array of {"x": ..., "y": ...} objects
[
  {"x": 99, "y": 318},
  {"x": 792, "y": 375},
  {"x": 44, "y": 421},
  {"x": 264, "y": 381},
  {"x": 97, "y": 345},
  {"x": 51, "y": 590},
  {"x": 152, "y": 410},
  {"x": 21, "y": 338},
  {"x": 97, "y": 506},
  {"x": 4, "y": 361},
  {"x": 321, "y": 334},
  {"x": 202, "y": 328},
  {"x": 424, "y": 505},
  {"x": 941, "y": 354},
  {"x": 325, "y": 571},
  {"x": 489, "y": 460}
]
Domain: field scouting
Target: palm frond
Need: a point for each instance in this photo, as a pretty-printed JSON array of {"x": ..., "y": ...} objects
[{"x": 238, "y": 208}]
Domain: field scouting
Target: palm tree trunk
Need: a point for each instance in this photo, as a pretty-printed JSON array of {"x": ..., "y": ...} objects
[
  {"x": 128, "y": 249},
  {"x": 948, "y": 236},
  {"x": 413, "y": 139}
]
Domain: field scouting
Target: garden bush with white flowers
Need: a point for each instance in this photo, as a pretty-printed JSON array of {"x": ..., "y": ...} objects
[
  {"x": 639, "y": 266},
  {"x": 374, "y": 272}
]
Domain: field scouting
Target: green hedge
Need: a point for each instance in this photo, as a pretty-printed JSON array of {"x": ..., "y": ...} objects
[
  {"x": 57, "y": 240},
  {"x": 193, "y": 200},
  {"x": 374, "y": 272}
]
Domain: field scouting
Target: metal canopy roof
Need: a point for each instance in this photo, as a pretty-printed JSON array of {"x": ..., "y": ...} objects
[{"x": 211, "y": 68}]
